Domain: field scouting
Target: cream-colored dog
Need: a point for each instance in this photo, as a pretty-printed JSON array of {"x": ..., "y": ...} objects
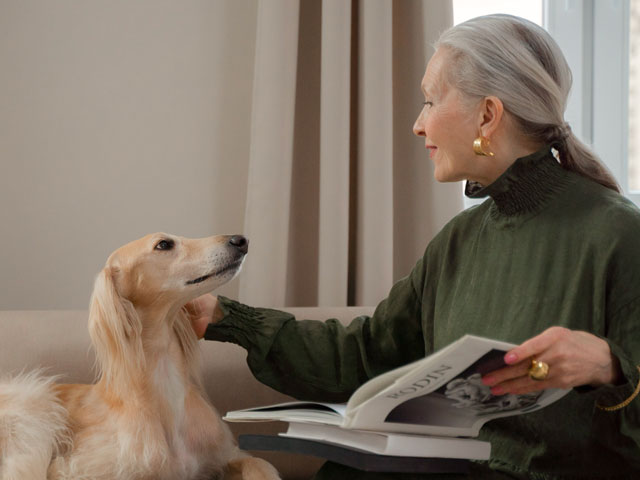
[{"x": 147, "y": 416}]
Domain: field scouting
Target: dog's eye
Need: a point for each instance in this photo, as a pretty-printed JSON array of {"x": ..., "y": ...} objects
[{"x": 164, "y": 245}]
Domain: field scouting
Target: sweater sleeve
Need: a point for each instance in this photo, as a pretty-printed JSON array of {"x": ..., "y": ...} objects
[
  {"x": 326, "y": 360},
  {"x": 621, "y": 329},
  {"x": 624, "y": 342}
]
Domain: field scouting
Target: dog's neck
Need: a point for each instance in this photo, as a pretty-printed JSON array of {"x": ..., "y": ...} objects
[
  {"x": 169, "y": 365},
  {"x": 158, "y": 328},
  {"x": 167, "y": 334}
]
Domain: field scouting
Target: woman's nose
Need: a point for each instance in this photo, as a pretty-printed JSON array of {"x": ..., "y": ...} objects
[{"x": 418, "y": 129}]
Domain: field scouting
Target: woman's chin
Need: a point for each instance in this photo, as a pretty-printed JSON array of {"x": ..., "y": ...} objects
[{"x": 443, "y": 176}]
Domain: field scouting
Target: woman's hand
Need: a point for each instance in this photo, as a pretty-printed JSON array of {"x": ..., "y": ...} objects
[
  {"x": 203, "y": 311},
  {"x": 575, "y": 358}
]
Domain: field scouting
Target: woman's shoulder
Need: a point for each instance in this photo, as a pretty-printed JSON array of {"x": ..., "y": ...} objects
[
  {"x": 598, "y": 201},
  {"x": 608, "y": 214}
]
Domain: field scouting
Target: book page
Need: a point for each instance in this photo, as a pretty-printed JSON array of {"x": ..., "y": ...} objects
[
  {"x": 329, "y": 413},
  {"x": 444, "y": 395}
]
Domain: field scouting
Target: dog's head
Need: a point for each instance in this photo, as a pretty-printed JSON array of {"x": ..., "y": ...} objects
[
  {"x": 166, "y": 268},
  {"x": 148, "y": 279}
]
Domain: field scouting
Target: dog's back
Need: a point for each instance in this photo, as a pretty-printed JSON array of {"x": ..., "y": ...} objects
[{"x": 33, "y": 426}]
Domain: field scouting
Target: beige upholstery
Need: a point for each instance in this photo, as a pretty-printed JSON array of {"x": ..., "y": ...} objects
[{"x": 59, "y": 342}]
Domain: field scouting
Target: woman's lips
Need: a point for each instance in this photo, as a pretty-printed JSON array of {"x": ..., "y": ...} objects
[{"x": 432, "y": 150}]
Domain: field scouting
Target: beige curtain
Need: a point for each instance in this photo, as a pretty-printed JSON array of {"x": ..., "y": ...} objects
[{"x": 340, "y": 200}]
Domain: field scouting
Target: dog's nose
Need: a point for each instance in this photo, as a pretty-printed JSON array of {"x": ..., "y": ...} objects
[{"x": 239, "y": 242}]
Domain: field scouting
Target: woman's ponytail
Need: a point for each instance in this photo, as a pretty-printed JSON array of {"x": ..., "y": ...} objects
[{"x": 577, "y": 157}]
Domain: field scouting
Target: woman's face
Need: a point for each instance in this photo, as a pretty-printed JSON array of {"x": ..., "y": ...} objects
[{"x": 448, "y": 123}]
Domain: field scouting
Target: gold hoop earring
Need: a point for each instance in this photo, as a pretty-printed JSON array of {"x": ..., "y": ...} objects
[{"x": 481, "y": 147}]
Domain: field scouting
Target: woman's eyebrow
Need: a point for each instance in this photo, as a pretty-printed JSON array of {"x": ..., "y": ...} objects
[{"x": 429, "y": 92}]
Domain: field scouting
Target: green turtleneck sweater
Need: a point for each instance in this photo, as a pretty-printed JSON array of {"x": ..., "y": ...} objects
[{"x": 548, "y": 248}]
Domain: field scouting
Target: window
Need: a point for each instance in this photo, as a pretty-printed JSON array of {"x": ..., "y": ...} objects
[
  {"x": 595, "y": 38},
  {"x": 464, "y": 10},
  {"x": 634, "y": 97}
]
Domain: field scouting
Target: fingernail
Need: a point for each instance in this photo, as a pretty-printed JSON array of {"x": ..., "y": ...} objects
[
  {"x": 497, "y": 390},
  {"x": 510, "y": 358},
  {"x": 488, "y": 380}
]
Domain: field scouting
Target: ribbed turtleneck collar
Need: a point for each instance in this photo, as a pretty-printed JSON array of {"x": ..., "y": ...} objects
[{"x": 525, "y": 186}]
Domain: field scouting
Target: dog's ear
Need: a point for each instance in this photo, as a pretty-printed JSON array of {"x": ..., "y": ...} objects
[
  {"x": 188, "y": 341},
  {"x": 116, "y": 332}
]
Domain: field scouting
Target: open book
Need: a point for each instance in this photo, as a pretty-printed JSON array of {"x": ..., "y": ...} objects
[{"x": 402, "y": 410}]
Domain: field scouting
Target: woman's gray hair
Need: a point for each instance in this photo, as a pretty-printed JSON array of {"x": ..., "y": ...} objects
[{"x": 517, "y": 61}]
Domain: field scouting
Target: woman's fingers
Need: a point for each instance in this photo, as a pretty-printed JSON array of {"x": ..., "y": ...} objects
[
  {"x": 574, "y": 358},
  {"x": 521, "y": 385},
  {"x": 518, "y": 359},
  {"x": 505, "y": 374},
  {"x": 534, "y": 347},
  {"x": 203, "y": 311}
]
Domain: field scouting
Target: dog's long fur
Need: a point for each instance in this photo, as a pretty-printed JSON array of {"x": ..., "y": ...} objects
[{"x": 147, "y": 416}]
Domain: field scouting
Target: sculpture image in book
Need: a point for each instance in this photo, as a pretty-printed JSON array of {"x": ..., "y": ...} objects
[
  {"x": 462, "y": 403},
  {"x": 439, "y": 395}
]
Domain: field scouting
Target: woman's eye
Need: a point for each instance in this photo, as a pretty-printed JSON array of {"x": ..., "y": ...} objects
[
  {"x": 428, "y": 104},
  {"x": 164, "y": 245}
]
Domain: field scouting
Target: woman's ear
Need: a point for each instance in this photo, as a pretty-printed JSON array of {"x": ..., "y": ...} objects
[
  {"x": 116, "y": 332},
  {"x": 490, "y": 116}
]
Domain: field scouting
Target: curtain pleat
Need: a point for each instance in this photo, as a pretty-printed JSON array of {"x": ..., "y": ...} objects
[
  {"x": 374, "y": 258},
  {"x": 264, "y": 280},
  {"x": 304, "y": 229},
  {"x": 335, "y": 147}
]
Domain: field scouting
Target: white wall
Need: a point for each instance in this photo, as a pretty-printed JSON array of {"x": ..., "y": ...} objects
[{"x": 110, "y": 129}]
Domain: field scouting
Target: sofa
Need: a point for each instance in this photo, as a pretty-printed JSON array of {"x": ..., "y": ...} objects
[{"x": 58, "y": 340}]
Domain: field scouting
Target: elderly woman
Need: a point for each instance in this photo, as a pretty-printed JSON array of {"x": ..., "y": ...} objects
[{"x": 550, "y": 262}]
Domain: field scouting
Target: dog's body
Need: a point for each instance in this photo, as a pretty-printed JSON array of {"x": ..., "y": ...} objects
[{"x": 147, "y": 417}]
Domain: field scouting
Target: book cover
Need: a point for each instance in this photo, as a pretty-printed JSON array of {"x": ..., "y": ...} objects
[{"x": 392, "y": 444}]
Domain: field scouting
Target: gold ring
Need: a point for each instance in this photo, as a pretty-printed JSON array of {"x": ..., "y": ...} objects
[{"x": 538, "y": 370}]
